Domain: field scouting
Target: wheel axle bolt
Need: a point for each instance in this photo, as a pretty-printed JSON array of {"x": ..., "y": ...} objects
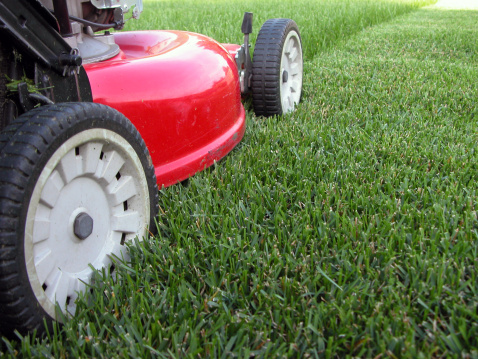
[{"x": 83, "y": 225}]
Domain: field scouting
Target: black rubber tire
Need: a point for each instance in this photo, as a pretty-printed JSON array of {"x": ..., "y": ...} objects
[
  {"x": 267, "y": 64},
  {"x": 33, "y": 139}
]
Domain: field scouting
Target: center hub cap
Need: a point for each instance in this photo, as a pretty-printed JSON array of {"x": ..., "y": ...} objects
[{"x": 83, "y": 225}]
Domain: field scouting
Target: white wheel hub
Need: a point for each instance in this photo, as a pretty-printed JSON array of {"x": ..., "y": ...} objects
[
  {"x": 291, "y": 72},
  {"x": 90, "y": 198}
]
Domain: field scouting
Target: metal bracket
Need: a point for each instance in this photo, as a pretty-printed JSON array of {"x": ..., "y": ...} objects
[
  {"x": 24, "y": 97},
  {"x": 243, "y": 56},
  {"x": 28, "y": 100},
  {"x": 71, "y": 62},
  {"x": 34, "y": 36}
]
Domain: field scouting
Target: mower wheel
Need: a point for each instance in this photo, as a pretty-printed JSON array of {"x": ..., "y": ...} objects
[
  {"x": 277, "y": 68},
  {"x": 76, "y": 183}
]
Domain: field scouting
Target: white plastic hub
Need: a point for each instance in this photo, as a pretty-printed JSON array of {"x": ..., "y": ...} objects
[
  {"x": 96, "y": 172},
  {"x": 291, "y": 72}
]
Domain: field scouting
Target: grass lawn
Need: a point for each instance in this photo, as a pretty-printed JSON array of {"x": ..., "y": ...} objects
[{"x": 346, "y": 229}]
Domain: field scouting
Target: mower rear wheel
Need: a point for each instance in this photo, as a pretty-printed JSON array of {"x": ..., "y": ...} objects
[
  {"x": 76, "y": 183},
  {"x": 277, "y": 68}
]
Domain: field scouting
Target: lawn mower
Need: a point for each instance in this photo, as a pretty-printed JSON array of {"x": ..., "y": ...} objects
[{"x": 92, "y": 121}]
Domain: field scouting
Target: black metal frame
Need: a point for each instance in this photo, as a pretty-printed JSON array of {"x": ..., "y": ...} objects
[{"x": 41, "y": 54}]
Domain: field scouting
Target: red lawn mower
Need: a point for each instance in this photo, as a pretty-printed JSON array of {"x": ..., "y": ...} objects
[{"x": 92, "y": 122}]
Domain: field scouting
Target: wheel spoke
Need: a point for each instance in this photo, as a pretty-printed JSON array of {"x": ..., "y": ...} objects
[
  {"x": 52, "y": 189},
  {"x": 127, "y": 222},
  {"x": 294, "y": 69},
  {"x": 41, "y": 230},
  {"x": 57, "y": 287},
  {"x": 51, "y": 283},
  {"x": 61, "y": 289},
  {"x": 44, "y": 265},
  {"x": 289, "y": 46},
  {"x": 117, "y": 251},
  {"x": 70, "y": 166},
  {"x": 90, "y": 154},
  {"x": 112, "y": 164},
  {"x": 123, "y": 190},
  {"x": 290, "y": 102},
  {"x": 293, "y": 54},
  {"x": 73, "y": 289},
  {"x": 73, "y": 286},
  {"x": 294, "y": 86},
  {"x": 84, "y": 280}
]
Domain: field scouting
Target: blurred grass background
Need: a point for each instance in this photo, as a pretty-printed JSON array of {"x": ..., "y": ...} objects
[{"x": 322, "y": 22}]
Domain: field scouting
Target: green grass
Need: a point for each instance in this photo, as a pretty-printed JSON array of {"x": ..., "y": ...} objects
[
  {"x": 346, "y": 229},
  {"x": 322, "y": 22}
]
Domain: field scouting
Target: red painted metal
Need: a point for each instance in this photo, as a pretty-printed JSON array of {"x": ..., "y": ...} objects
[{"x": 181, "y": 91}]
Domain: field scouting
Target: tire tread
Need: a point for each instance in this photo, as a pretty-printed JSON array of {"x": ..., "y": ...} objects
[{"x": 266, "y": 66}]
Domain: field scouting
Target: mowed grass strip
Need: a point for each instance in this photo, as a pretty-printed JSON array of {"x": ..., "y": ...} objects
[
  {"x": 321, "y": 22},
  {"x": 347, "y": 228}
]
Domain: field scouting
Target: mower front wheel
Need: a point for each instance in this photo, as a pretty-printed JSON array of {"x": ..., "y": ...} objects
[
  {"x": 76, "y": 183},
  {"x": 277, "y": 68}
]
